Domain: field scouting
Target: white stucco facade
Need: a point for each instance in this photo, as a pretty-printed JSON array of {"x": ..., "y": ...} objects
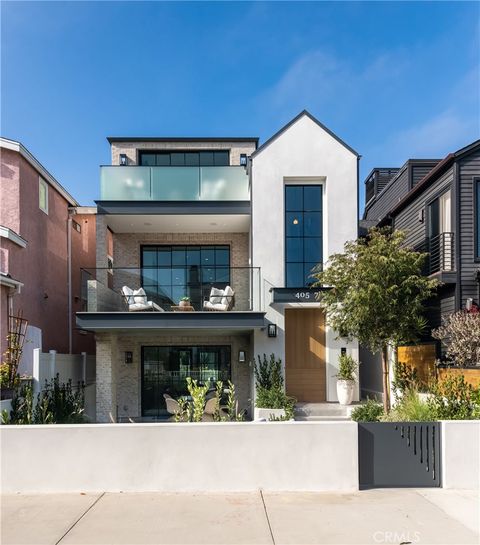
[{"x": 303, "y": 153}]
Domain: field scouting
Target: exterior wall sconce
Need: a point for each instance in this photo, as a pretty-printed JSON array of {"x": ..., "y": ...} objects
[
  {"x": 241, "y": 356},
  {"x": 243, "y": 159},
  {"x": 123, "y": 159},
  {"x": 128, "y": 357},
  {"x": 272, "y": 330},
  {"x": 421, "y": 215},
  {"x": 295, "y": 221}
]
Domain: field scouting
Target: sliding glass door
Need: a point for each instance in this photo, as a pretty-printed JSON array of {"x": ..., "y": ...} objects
[{"x": 165, "y": 369}]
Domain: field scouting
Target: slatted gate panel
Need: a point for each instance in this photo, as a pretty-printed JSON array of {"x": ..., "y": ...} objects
[{"x": 399, "y": 454}]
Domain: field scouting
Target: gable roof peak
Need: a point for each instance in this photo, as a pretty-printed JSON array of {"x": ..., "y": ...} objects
[{"x": 303, "y": 113}]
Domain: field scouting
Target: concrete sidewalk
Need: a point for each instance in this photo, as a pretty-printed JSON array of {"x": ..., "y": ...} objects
[{"x": 424, "y": 516}]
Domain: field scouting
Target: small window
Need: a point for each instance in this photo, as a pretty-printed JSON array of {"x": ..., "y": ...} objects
[{"x": 43, "y": 195}]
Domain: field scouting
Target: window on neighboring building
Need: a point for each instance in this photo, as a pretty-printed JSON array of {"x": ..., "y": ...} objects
[
  {"x": 303, "y": 233},
  {"x": 43, "y": 195},
  {"x": 476, "y": 187},
  {"x": 217, "y": 158}
]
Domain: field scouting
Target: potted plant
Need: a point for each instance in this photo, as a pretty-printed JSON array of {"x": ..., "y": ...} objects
[
  {"x": 346, "y": 378},
  {"x": 184, "y": 301}
]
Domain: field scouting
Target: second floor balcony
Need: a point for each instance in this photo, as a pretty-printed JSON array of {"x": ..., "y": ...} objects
[
  {"x": 441, "y": 251},
  {"x": 154, "y": 183},
  {"x": 222, "y": 289}
]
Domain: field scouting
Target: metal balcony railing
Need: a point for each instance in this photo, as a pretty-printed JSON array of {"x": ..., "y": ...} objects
[
  {"x": 442, "y": 253},
  {"x": 141, "y": 183},
  {"x": 165, "y": 286}
]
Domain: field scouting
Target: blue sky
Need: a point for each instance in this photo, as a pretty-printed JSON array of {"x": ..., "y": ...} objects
[{"x": 394, "y": 80}]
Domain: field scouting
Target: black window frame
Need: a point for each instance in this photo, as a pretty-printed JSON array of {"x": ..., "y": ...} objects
[
  {"x": 223, "y": 350},
  {"x": 169, "y": 152},
  {"x": 222, "y": 272},
  {"x": 304, "y": 210}
]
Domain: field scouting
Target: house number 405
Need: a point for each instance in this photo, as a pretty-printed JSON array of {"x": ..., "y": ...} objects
[{"x": 302, "y": 295}]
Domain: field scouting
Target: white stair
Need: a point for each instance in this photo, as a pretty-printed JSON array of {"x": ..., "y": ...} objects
[{"x": 322, "y": 411}]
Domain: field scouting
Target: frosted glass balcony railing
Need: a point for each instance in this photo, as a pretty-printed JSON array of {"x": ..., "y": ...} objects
[{"x": 135, "y": 183}]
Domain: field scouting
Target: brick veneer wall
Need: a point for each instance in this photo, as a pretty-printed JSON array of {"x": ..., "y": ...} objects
[
  {"x": 119, "y": 384},
  {"x": 127, "y": 253},
  {"x": 130, "y": 149}
]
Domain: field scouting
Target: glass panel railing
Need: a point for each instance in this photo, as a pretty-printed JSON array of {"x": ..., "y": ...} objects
[
  {"x": 135, "y": 183},
  {"x": 224, "y": 184},
  {"x": 208, "y": 288},
  {"x": 125, "y": 183},
  {"x": 175, "y": 184}
]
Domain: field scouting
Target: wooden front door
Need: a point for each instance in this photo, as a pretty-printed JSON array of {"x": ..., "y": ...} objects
[{"x": 305, "y": 354}]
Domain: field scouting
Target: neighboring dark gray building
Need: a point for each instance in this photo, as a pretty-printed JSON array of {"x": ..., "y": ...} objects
[{"x": 437, "y": 204}]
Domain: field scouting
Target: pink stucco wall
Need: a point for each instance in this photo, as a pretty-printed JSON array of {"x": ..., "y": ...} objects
[{"x": 41, "y": 266}]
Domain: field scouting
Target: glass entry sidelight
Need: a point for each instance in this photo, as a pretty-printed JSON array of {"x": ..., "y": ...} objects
[{"x": 165, "y": 369}]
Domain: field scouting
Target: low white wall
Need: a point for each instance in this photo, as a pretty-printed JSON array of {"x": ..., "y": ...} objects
[
  {"x": 461, "y": 454},
  {"x": 303, "y": 456}
]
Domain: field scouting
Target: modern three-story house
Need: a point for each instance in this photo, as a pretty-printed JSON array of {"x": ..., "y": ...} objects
[{"x": 205, "y": 248}]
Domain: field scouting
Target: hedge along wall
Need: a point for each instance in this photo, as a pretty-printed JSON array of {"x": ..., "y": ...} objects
[{"x": 174, "y": 457}]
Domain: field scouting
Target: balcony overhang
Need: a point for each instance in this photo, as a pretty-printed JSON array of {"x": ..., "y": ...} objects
[
  {"x": 171, "y": 321},
  {"x": 178, "y": 223},
  {"x": 174, "y": 207},
  {"x": 445, "y": 277}
]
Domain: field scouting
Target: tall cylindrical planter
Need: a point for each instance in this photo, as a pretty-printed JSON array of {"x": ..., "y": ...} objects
[{"x": 345, "y": 390}]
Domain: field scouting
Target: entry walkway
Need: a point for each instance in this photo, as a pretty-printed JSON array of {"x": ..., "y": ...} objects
[{"x": 373, "y": 516}]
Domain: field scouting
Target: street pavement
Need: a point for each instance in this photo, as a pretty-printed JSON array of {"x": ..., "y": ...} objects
[{"x": 385, "y": 516}]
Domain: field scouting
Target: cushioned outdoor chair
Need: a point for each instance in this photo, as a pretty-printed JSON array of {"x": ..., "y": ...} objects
[
  {"x": 136, "y": 300},
  {"x": 173, "y": 407},
  {"x": 220, "y": 300}
]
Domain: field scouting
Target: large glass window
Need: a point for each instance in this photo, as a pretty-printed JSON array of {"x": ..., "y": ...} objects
[
  {"x": 172, "y": 272},
  {"x": 165, "y": 369},
  {"x": 303, "y": 233},
  {"x": 220, "y": 158}
]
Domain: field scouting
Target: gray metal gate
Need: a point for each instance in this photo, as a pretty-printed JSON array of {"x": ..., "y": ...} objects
[{"x": 399, "y": 454}]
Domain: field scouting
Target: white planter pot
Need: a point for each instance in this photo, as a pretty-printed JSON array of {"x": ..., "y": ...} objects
[
  {"x": 345, "y": 389},
  {"x": 265, "y": 414}
]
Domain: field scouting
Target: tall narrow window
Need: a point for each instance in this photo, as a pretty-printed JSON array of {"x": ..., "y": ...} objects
[
  {"x": 441, "y": 243},
  {"x": 476, "y": 188},
  {"x": 303, "y": 233},
  {"x": 43, "y": 195}
]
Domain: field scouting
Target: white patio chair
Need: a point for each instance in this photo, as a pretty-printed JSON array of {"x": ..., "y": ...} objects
[
  {"x": 136, "y": 300},
  {"x": 220, "y": 300}
]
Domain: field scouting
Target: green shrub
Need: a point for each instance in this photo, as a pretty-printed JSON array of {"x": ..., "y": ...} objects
[
  {"x": 410, "y": 408},
  {"x": 269, "y": 386},
  {"x": 56, "y": 404},
  {"x": 275, "y": 398},
  {"x": 268, "y": 373},
  {"x": 370, "y": 411},
  {"x": 347, "y": 368},
  {"x": 454, "y": 399}
]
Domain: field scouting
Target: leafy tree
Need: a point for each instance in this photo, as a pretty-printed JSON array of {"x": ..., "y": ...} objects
[{"x": 377, "y": 293}]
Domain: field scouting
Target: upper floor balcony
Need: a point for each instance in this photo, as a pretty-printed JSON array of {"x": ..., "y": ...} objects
[
  {"x": 167, "y": 184},
  {"x": 222, "y": 297}
]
